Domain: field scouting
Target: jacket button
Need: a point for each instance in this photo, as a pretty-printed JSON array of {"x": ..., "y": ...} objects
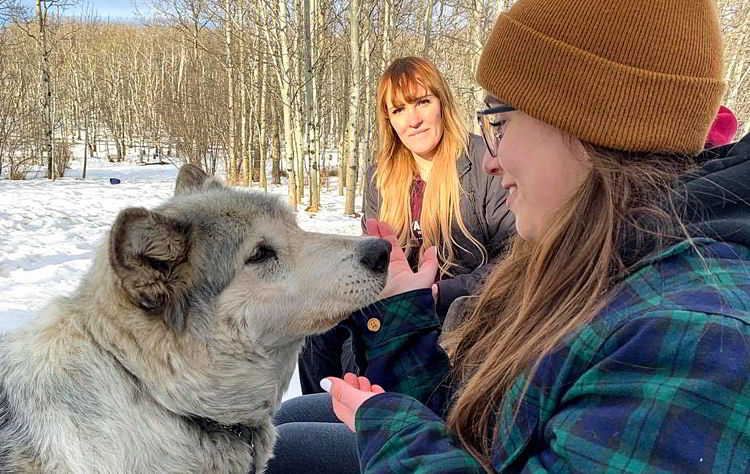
[{"x": 373, "y": 324}]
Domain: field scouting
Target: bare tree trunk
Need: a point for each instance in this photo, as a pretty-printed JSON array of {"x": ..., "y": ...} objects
[
  {"x": 737, "y": 70},
  {"x": 261, "y": 121},
  {"x": 343, "y": 155},
  {"x": 364, "y": 149},
  {"x": 387, "y": 29},
  {"x": 299, "y": 141},
  {"x": 283, "y": 74},
  {"x": 231, "y": 146},
  {"x": 85, "y": 145},
  {"x": 195, "y": 156},
  {"x": 46, "y": 99},
  {"x": 427, "y": 36},
  {"x": 301, "y": 121},
  {"x": 312, "y": 118},
  {"x": 252, "y": 148},
  {"x": 244, "y": 106},
  {"x": 276, "y": 148},
  {"x": 331, "y": 135},
  {"x": 477, "y": 13},
  {"x": 319, "y": 150},
  {"x": 503, "y": 5},
  {"x": 351, "y": 171}
]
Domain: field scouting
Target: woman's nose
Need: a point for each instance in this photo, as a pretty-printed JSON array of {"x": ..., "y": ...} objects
[
  {"x": 491, "y": 165},
  {"x": 414, "y": 119}
]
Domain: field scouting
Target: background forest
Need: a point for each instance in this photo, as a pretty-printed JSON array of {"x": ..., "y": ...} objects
[{"x": 255, "y": 89}]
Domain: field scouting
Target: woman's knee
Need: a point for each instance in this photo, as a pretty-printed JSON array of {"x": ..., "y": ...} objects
[
  {"x": 314, "y": 448},
  {"x": 307, "y": 408}
]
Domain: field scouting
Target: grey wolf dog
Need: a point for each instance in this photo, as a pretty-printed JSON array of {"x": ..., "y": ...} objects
[{"x": 175, "y": 350}]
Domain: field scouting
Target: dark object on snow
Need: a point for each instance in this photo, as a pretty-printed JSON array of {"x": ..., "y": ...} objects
[{"x": 114, "y": 181}]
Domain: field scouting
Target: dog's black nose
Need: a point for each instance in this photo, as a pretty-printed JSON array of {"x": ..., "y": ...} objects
[{"x": 376, "y": 253}]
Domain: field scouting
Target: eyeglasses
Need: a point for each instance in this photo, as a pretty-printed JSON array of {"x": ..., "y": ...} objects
[{"x": 492, "y": 126}]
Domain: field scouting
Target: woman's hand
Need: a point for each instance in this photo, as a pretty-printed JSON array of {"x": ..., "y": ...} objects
[
  {"x": 348, "y": 395},
  {"x": 400, "y": 277}
]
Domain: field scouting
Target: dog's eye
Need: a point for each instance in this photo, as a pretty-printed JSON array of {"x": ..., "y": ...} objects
[{"x": 262, "y": 253}]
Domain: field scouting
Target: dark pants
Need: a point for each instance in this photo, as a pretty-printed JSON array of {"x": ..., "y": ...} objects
[
  {"x": 312, "y": 440},
  {"x": 324, "y": 355}
]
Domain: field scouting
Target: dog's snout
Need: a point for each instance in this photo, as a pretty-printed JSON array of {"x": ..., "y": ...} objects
[{"x": 376, "y": 254}]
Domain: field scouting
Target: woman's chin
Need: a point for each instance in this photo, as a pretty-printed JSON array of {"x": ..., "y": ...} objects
[
  {"x": 425, "y": 152},
  {"x": 524, "y": 230}
]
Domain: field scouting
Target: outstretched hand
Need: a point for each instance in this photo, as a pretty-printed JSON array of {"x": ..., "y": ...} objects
[
  {"x": 400, "y": 277},
  {"x": 348, "y": 395}
]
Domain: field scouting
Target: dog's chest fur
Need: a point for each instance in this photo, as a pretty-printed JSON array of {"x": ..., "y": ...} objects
[{"x": 92, "y": 417}]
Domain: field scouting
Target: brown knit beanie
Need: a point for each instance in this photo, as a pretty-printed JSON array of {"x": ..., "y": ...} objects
[{"x": 639, "y": 75}]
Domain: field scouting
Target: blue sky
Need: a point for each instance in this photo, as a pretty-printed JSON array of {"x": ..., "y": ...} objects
[{"x": 114, "y": 9}]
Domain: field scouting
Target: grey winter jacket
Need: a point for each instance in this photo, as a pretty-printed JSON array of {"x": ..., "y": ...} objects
[{"x": 485, "y": 216}]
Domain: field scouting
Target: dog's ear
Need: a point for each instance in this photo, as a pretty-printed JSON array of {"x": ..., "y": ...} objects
[
  {"x": 148, "y": 252},
  {"x": 191, "y": 179}
]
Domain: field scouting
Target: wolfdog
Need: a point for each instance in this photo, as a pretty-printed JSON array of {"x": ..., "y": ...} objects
[{"x": 175, "y": 350}]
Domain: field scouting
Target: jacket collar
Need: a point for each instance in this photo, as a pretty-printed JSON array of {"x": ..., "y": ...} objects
[
  {"x": 717, "y": 195},
  {"x": 714, "y": 201},
  {"x": 463, "y": 165}
]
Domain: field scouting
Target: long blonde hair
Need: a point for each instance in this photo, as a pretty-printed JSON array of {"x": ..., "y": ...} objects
[
  {"x": 542, "y": 292},
  {"x": 396, "y": 167}
]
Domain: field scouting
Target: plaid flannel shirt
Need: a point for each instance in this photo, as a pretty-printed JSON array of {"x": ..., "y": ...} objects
[{"x": 658, "y": 382}]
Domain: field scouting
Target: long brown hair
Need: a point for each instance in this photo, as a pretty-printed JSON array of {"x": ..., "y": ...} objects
[
  {"x": 396, "y": 167},
  {"x": 543, "y": 291}
]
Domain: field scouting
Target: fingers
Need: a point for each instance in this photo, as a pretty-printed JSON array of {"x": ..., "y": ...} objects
[
  {"x": 346, "y": 398},
  {"x": 364, "y": 384},
  {"x": 351, "y": 379},
  {"x": 360, "y": 383},
  {"x": 377, "y": 228},
  {"x": 341, "y": 406},
  {"x": 385, "y": 229},
  {"x": 429, "y": 266},
  {"x": 373, "y": 230},
  {"x": 397, "y": 254}
]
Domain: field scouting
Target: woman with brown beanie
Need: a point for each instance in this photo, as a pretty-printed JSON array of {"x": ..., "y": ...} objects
[{"x": 613, "y": 336}]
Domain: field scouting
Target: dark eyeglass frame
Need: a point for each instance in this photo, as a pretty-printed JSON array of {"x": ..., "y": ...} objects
[{"x": 483, "y": 117}]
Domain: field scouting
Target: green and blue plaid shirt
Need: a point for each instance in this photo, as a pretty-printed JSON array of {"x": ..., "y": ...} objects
[{"x": 658, "y": 382}]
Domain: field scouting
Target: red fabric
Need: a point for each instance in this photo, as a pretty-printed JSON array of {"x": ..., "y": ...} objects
[
  {"x": 722, "y": 129},
  {"x": 417, "y": 195}
]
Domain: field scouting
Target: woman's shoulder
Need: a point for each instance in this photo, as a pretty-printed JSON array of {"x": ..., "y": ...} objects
[
  {"x": 471, "y": 158},
  {"x": 689, "y": 294},
  {"x": 475, "y": 148},
  {"x": 708, "y": 279}
]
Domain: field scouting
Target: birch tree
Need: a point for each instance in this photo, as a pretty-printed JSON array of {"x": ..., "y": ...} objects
[
  {"x": 427, "y": 28},
  {"x": 229, "y": 68},
  {"x": 39, "y": 28},
  {"x": 477, "y": 13},
  {"x": 261, "y": 116},
  {"x": 351, "y": 171},
  {"x": 503, "y": 5},
  {"x": 283, "y": 75},
  {"x": 387, "y": 26},
  {"x": 311, "y": 112}
]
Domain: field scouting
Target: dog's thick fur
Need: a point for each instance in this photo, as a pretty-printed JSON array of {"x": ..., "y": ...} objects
[{"x": 194, "y": 311}]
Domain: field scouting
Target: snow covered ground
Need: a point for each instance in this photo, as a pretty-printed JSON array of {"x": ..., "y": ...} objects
[{"x": 49, "y": 230}]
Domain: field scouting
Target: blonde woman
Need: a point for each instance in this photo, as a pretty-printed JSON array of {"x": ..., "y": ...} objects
[
  {"x": 429, "y": 186},
  {"x": 613, "y": 336}
]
